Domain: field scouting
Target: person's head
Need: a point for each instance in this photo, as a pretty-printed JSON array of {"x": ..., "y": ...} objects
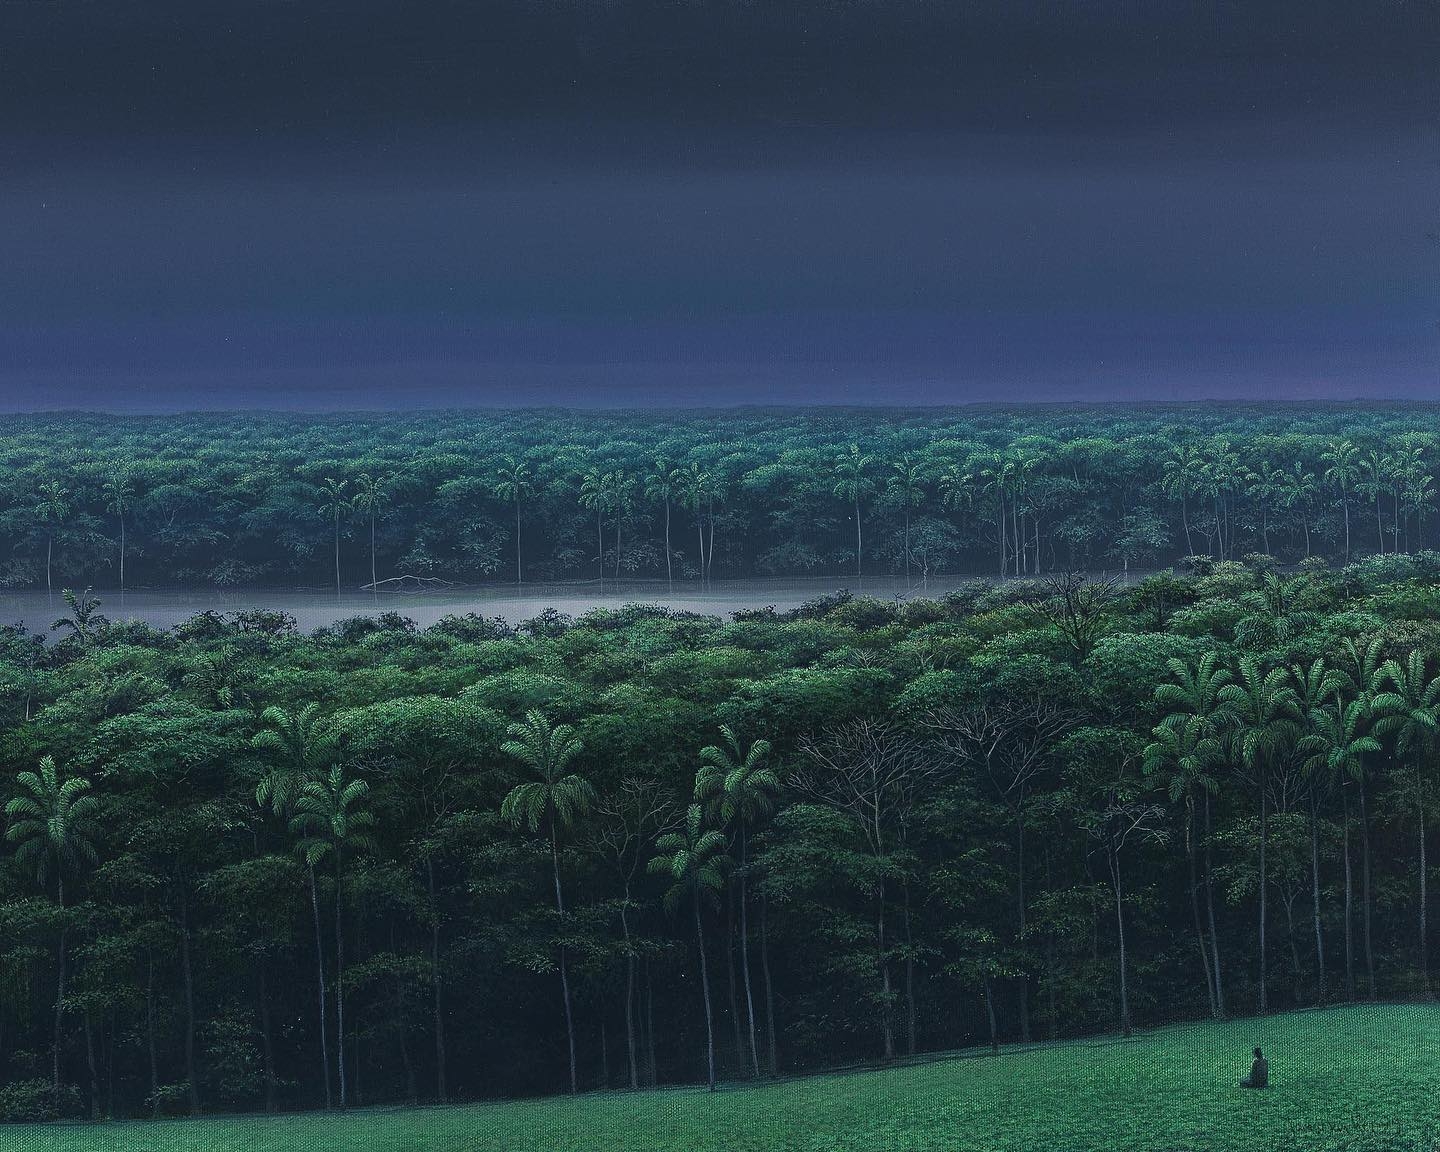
[{"x": 1258, "y": 1054}]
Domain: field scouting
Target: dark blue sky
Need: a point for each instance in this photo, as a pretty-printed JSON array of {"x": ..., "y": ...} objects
[{"x": 545, "y": 206}]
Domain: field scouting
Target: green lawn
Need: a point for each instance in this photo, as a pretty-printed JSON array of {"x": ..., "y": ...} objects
[{"x": 1348, "y": 1078}]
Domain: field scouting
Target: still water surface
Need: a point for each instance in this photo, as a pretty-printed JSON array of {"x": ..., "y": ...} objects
[{"x": 315, "y": 608}]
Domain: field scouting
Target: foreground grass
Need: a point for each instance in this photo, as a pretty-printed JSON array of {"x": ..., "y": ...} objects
[{"x": 1346, "y": 1078}]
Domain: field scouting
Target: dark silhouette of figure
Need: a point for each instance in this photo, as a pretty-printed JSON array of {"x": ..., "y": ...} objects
[{"x": 1259, "y": 1072}]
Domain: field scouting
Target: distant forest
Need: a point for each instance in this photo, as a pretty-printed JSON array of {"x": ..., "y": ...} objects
[{"x": 541, "y": 495}]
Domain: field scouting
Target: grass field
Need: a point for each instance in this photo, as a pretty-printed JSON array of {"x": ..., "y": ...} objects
[{"x": 1363, "y": 1078}]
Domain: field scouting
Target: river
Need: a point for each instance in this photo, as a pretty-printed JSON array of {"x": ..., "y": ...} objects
[{"x": 315, "y": 608}]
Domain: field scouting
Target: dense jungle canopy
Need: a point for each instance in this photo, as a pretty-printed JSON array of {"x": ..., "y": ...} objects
[
  {"x": 259, "y": 499},
  {"x": 248, "y": 868}
]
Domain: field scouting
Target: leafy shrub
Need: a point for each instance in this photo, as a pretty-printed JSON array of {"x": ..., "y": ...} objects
[{"x": 29, "y": 1101}]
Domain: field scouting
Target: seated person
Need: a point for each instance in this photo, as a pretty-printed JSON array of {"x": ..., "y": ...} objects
[{"x": 1259, "y": 1072}]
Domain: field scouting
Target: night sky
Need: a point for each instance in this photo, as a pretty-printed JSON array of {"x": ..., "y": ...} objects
[{"x": 311, "y": 204}]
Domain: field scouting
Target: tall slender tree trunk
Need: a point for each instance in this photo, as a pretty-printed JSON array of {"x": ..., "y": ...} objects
[
  {"x": 320, "y": 980},
  {"x": 745, "y": 964},
  {"x": 1345, "y": 503},
  {"x": 731, "y": 985},
  {"x": 1017, "y": 536},
  {"x": 436, "y": 986},
  {"x": 669, "y": 554},
  {"x": 700, "y": 531},
  {"x": 1424, "y": 891},
  {"x": 1315, "y": 894},
  {"x": 1349, "y": 904},
  {"x": 59, "y": 990},
  {"x": 192, "y": 1082},
  {"x": 886, "y": 1025},
  {"x": 1195, "y": 909},
  {"x": 600, "y": 540},
  {"x": 705, "y": 991},
  {"x": 372, "y": 550},
  {"x": 1264, "y": 836},
  {"x": 1210, "y": 912},
  {"x": 990, "y": 1015},
  {"x": 651, "y": 1064},
  {"x": 1185, "y": 521},
  {"x": 1052, "y": 1020},
  {"x": 769, "y": 986},
  {"x": 122, "y": 554},
  {"x": 49, "y": 551},
  {"x": 629, "y": 991},
  {"x": 710, "y": 555},
  {"x": 340, "y": 985},
  {"x": 1366, "y": 902},
  {"x": 564, "y": 972},
  {"x": 337, "y": 552},
  {"x": 909, "y": 977},
  {"x": 150, "y": 1033},
  {"x": 91, "y": 1067},
  {"x": 859, "y": 550},
  {"x": 1125, "y": 1028},
  {"x": 517, "y": 540},
  {"x": 1000, "y": 532},
  {"x": 1020, "y": 938}
]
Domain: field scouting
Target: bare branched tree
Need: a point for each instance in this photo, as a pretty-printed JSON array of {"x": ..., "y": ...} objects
[
  {"x": 1077, "y": 607},
  {"x": 629, "y": 820},
  {"x": 875, "y": 773},
  {"x": 1008, "y": 743}
]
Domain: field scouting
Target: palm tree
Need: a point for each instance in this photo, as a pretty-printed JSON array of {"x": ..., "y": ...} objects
[
  {"x": 622, "y": 502},
  {"x": 1195, "y": 697},
  {"x": 907, "y": 482},
  {"x": 1297, "y": 491},
  {"x": 1419, "y": 496},
  {"x": 54, "y": 823},
  {"x": 694, "y": 861},
  {"x": 554, "y": 800},
  {"x": 1337, "y": 742},
  {"x": 1342, "y": 472},
  {"x": 85, "y": 621},
  {"x": 118, "y": 492},
  {"x": 1185, "y": 758},
  {"x": 298, "y": 751},
  {"x": 1409, "y": 711},
  {"x": 334, "y": 503},
  {"x": 697, "y": 490},
  {"x": 330, "y": 819},
  {"x": 513, "y": 485},
  {"x": 1359, "y": 675},
  {"x": 371, "y": 495},
  {"x": 853, "y": 485},
  {"x": 1266, "y": 486},
  {"x": 1184, "y": 477},
  {"x": 299, "y": 748},
  {"x": 1374, "y": 479},
  {"x": 1314, "y": 686},
  {"x": 595, "y": 496},
  {"x": 1264, "y": 714},
  {"x": 51, "y": 510},
  {"x": 739, "y": 788},
  {"x": 661, "y": 485}
]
